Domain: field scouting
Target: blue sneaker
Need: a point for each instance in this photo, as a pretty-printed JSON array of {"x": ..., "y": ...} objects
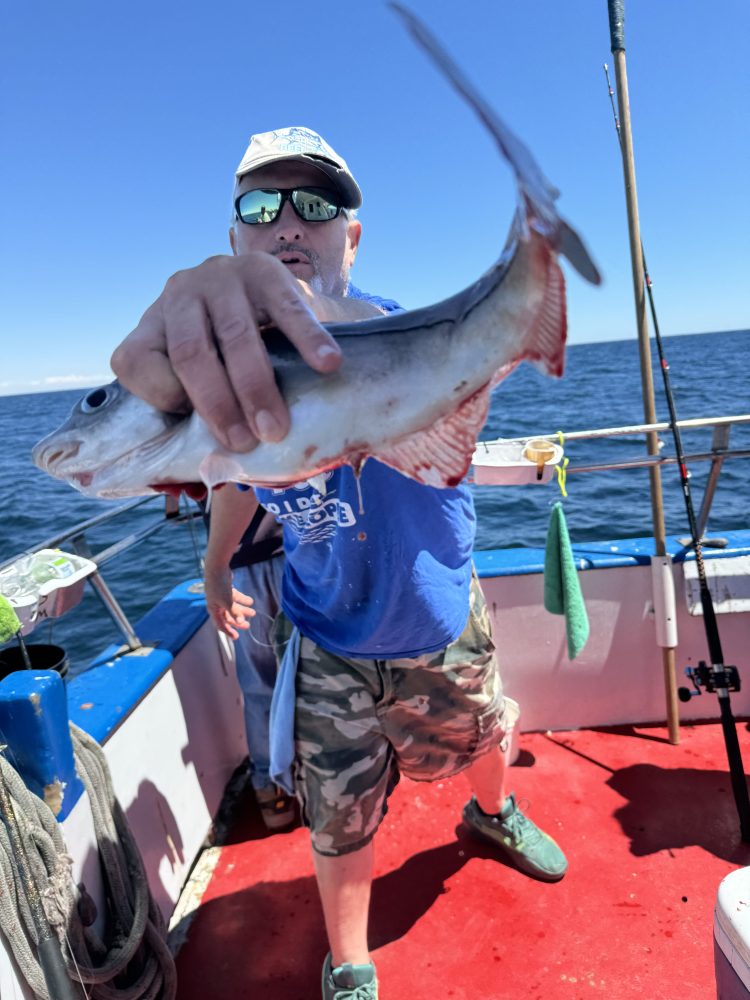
[
  {"x": 349, "y": 982},
  {"x": 528, "y": 847}
]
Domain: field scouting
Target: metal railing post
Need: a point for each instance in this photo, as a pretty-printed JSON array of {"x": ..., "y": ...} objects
[
  {"x": 105, "y": 595},
  {"x": 719, "y": 445}
]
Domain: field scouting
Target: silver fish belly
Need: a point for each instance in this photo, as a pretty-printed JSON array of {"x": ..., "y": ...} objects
[{"x": 413, "y": 388}]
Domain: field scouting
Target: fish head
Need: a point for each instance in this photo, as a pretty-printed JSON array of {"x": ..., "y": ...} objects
[{"x": 112, "y": 444}]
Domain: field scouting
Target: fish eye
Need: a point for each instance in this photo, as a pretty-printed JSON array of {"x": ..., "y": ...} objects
[{"x": 96, "y": 399}]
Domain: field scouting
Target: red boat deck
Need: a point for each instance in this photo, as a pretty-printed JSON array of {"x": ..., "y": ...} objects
[{"x": 650, "y": 829}]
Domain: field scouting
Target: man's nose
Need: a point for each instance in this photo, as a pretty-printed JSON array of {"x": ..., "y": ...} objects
[{"x": 289, "y": 226}]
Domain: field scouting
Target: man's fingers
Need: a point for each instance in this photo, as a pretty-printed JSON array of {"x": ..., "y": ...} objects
[
  {"x": 142, "y": 365},
  {"x": 242, "y": 602},
  {"x": 228, "y": 607},
  {"x": 200, "y": 341},
  {"x": 246, "y": 363},
  {"x": 228, "y": 620},
  {"x": 240, "y": 615},
  {"x": 289, "y": 312},
  {"x": 270, "y": 294},
  {"x": 192, "y": 351},
  {"x": 223, "y": 625},
  {"x": 240, "y": 622},
  {"x": 241, "y": 610}
]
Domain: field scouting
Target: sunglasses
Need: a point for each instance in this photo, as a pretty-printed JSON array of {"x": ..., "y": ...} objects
[{"x": 263, "y": 205}]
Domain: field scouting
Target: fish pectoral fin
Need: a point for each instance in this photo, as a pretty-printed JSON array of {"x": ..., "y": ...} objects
[
  {"x": 318, "y": 483},
  {"x": 441, "y": 455},
  {"x": 217, "y": 468}
]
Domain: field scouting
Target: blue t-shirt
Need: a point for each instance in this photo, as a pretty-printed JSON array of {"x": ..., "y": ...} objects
[
  {"x": 379, "y": 569},
  {"x": 387, "y": 305}
]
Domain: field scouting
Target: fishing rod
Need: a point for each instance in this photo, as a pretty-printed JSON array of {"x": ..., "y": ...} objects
[{"x": 715, "y": 676}]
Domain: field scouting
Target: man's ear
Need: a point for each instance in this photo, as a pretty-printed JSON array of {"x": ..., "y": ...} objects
[
  {"x": 233, "y": 240},
  {"x": 353, "y": 235}
]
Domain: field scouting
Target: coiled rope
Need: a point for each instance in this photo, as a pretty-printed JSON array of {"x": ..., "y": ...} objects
[{"x": 135, "y": 952}]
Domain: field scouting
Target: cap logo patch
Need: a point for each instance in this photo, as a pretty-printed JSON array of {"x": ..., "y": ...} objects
[{"x": 297, "y": 140}]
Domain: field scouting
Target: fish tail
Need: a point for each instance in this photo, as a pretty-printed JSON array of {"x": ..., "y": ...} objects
[
  {"x": 537, "y": 194},
  {"x": 529, "y": 177}
]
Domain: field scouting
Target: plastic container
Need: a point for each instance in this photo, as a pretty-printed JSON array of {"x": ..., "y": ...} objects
[
  {"x": 44, "y": 584},
  {"x": 43, "y": 656},
  {"x": 506, "y": 463}
]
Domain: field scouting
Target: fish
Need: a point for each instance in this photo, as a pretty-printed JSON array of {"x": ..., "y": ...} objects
[{"x": 413, "y": 389}]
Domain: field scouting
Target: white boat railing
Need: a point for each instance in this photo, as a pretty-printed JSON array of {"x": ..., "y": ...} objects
[
  {"x": 77, "y": 536},
  {"x": 719, "y": 452}
]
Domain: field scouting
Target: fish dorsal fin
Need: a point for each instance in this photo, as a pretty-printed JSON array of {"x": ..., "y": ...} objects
[{"x": 438, "y": 456}]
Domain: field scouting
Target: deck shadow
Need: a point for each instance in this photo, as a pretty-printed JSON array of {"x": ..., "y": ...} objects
[
  {"x": 633, "y": 732},
  {"x": 240, "y": 820},
  {"x": 650, "y": 731},
  {"x": 263, "y": 942},
  {"x": 277, "y": 927},
  {"x": 402, "y": 897},
  {"x": 150, "y": 811},
  {"x": 673, "y": 808},
  {"x": 525, "y": 758}
]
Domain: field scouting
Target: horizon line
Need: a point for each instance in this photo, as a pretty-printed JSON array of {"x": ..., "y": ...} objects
[{"x": 51, "y": 383}]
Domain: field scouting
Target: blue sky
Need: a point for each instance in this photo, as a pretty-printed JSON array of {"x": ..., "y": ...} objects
[{"x": 122, "y": 124}]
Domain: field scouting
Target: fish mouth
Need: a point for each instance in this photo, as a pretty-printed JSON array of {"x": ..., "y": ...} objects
[
  {"x": 49, "y": 457},
  {"x": 58, "y": 459},
  {"x": 81, "y": 479},
  {"x": 53, "y": 459}
]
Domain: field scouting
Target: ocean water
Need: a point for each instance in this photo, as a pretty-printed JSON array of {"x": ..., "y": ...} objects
[{"x": 601, "y": 388}]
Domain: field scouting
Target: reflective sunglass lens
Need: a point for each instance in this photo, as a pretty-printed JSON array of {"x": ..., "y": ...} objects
[
  {"x": 314, "y": 205},
  {"x": 259, "y": 206}
]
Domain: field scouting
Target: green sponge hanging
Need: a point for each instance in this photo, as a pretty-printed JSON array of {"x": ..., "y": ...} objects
[
  {"x": 562, "y": 591},
  {"x": 9, "y": 623},
  {"x": 11, "y": 626}
]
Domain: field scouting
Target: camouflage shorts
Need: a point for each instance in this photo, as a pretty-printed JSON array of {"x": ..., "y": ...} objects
[{"x": 359, "y": 724}]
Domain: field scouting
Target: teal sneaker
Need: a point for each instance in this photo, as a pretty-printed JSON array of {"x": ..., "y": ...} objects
[
  {"x": 528, "y": 847},
  {"x": 349, "y": 982}
]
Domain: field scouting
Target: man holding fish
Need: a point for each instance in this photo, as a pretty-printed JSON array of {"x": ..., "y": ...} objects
[{"x": 395, "y": 666}]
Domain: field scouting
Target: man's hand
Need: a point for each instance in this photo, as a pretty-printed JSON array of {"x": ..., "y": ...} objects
[
  {"x": 200, "y": 344},
  {"x": 229, "y": 608}
]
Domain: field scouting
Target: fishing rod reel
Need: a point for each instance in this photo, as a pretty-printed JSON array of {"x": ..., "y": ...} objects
[{"x": 715, "y": 678}]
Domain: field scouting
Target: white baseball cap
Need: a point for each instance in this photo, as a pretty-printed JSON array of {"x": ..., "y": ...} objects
[{"x": 299, "y": 143}]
